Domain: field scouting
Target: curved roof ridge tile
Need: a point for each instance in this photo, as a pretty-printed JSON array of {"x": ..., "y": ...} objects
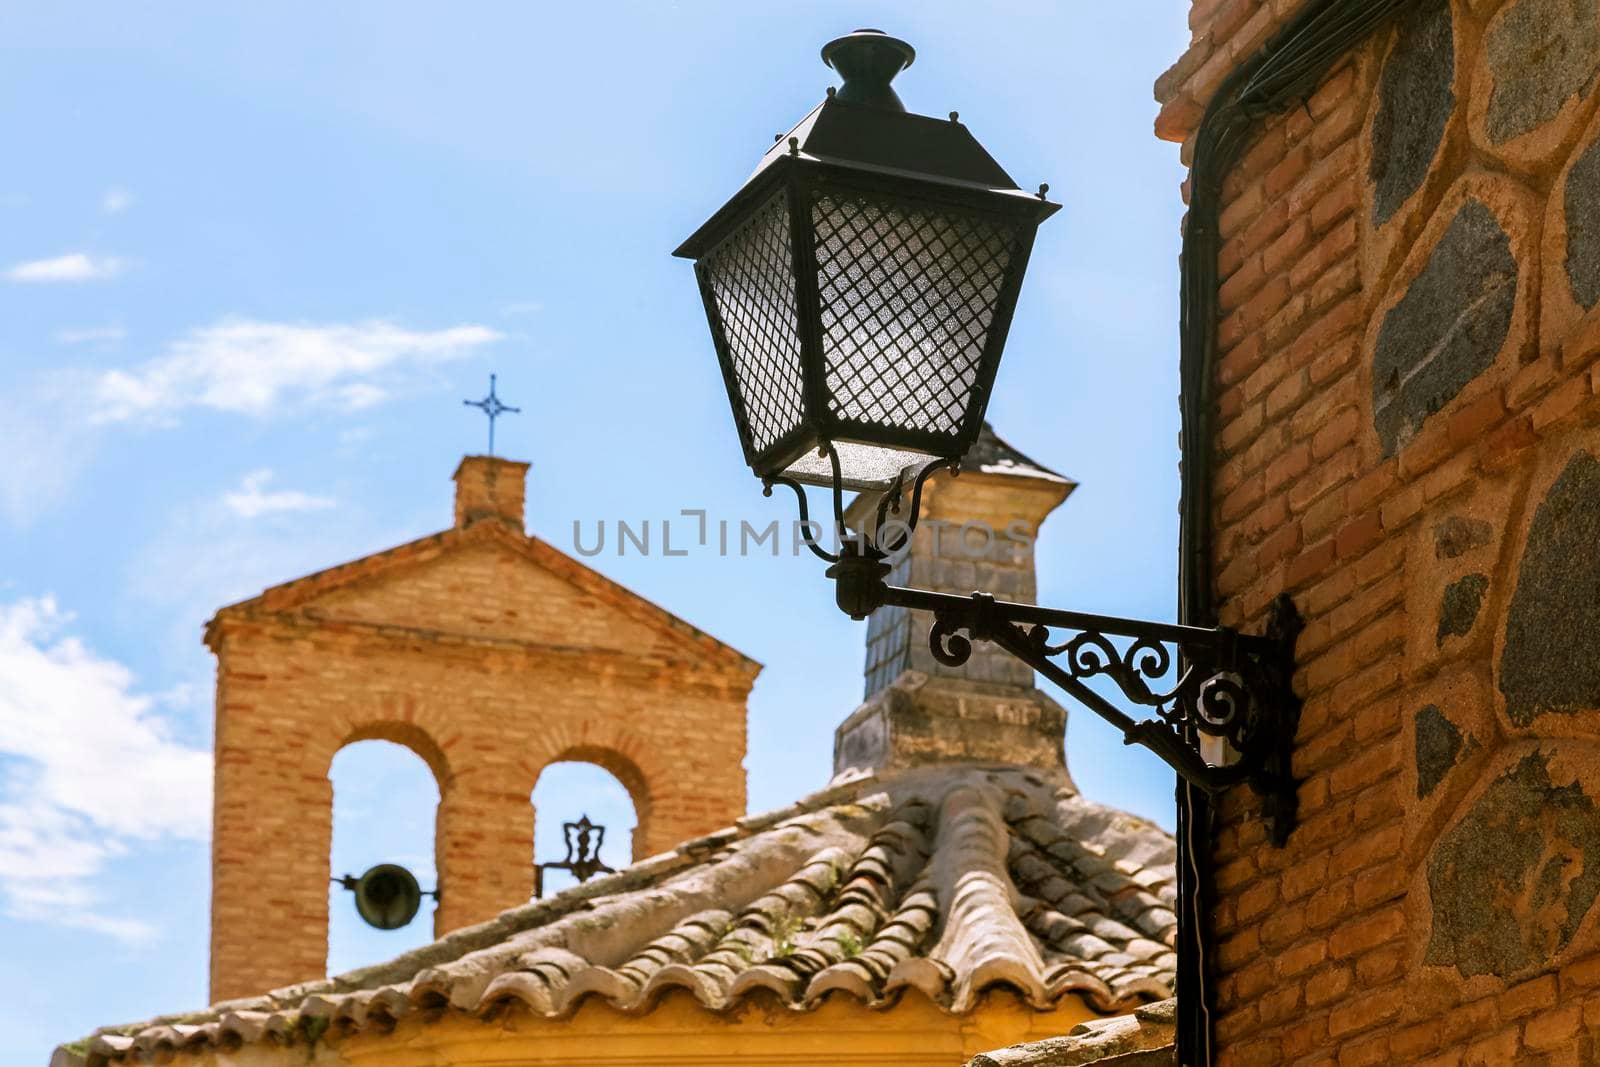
[
  {"x": 619, "y": 990},
  {"x": 781, "y": 980},
  {"x": 928, "y": 976},
  {"x": 243, "y": 1026},
  {"x": 1068, "y": 979},
  {"x": 1006, "y": 971},
  {"x": 706, "y": 989},
  {"x": 981, "y": 925},
  {"x": 848, "y": 977},
  {"x": 524, "y": 986}
]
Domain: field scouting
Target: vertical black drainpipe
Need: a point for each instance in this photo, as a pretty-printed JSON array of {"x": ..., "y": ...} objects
[{"x": 1284, "y": 72}]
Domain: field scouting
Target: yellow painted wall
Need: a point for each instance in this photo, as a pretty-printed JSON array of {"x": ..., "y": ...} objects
[{"x": 913, "y": 1033}]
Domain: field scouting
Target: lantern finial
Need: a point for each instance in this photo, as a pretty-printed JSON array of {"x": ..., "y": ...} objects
[{"x": 869, "y": 60}]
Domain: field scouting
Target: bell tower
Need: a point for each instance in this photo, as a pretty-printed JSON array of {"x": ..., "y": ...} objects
[{"x": 490, "y": 655}]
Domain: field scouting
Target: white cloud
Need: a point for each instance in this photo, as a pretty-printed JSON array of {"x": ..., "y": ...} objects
[
  {"x": 252, "y": 498},
  {"x": 73, "y": 267},
  {"x": 255, "y": 368},
  {"x": 91, "y": 768},
  {"x": 116, "y": 201},
  {"x": 93, "y": 335}
]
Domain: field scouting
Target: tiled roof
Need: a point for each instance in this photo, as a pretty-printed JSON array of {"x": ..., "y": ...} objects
[
  {"x": 993, "y": 454},
  {"x": 947, "y": 880}
]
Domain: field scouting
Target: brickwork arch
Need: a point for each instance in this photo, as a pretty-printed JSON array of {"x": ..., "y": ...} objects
[
  {"x": 414, "y": 737},
  {"x": 626, "y": 757}
]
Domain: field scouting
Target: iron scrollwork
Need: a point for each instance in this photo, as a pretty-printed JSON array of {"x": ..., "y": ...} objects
[{"x": 1229, "y": 686}]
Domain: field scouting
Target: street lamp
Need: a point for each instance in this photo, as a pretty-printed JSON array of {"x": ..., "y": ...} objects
[{"x": 859, "y": 288}]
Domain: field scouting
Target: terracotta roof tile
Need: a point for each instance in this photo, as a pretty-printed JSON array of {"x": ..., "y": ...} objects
[{"x": 946, "y": 880}]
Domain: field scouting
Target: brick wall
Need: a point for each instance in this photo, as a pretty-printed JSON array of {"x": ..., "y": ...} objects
[
  {"x": 491, "y": 656},
  {"x": 1407, "y": 442}
]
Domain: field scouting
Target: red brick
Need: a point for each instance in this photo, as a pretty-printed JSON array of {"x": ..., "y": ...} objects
[
  {"x": 1241, "y": 284},
  {"x": 1503, "y": 446},
  {"x": 1528, "y": 997},
  {"x": 1328, "y": 985},
  {"x": 1335, "y": 432},
  {"x": 1362, "y": 1013},
  {"x": 1474, "y": 419},
  {"x": 1280, "y": 544},
  {"x": 1287, "y": 467},
  {"x": 1367, "y": 932},
  {"x": 1311, "y": 562},
  {"x": 1331, "y": 903},
  {"x": 1360, "y": 534},
  {"x": 1561, "y": 402},
  {"x": 1498, "y": 1050},
  {"x": 1364, "y": 768},
  {"x": 1468, "y": 1021},
  {"x": 1177, "y": 118},
  {"x": 1581, "y": 974},
  {"x": 1301, "y": 957},
  {"x": 1334, "y": 91},
  {"x": 1414, "y": 1041},
  {"x": 1366, "y": 1052},
  {"x": 1553, "y": 1029}
]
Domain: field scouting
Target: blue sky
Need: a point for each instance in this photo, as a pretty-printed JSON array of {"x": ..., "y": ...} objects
[{"x": 252, "y": 257}]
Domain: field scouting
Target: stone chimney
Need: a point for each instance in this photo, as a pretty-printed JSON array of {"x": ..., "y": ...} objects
[
  {"x": 488, "y": 487},
  {"x": 976, "y": 532}
]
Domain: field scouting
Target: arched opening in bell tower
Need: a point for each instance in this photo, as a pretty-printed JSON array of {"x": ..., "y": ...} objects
[
  {"x": 385, "y": 805},
  {"x": 585, "y": 784}
]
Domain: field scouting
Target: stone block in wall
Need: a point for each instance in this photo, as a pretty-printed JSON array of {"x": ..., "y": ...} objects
[
  {"x": 1509, "y": 888},
  {"x": 1533, "y": 80},
  {"x": 1413, "y": 140},
  {"x": 1458, "y": 317},
  {"x": 1455, "y": 587},
  {"x": 1571, "y": 255},
  {"x": 1547, "y": 650},
  {"x": 1448, "y": 733}
]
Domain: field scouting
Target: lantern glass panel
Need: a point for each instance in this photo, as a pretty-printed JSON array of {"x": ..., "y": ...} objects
[
  {"x": 866, "y": 468},
  {"x": 750, "y": 276},
  {"x": 908, "y": 292}
]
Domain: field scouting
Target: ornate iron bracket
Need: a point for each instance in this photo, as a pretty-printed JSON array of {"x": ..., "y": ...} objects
[{"x": 1228, "y": 686}]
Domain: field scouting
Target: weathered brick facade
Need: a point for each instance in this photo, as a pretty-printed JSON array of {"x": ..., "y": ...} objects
[
  {"x": 490, "y": 655},
  {"x": 1406, "y": 441}
]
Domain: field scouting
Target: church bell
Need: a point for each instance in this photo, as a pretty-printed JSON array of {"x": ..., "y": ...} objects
[{"x": 387, "y": 896}]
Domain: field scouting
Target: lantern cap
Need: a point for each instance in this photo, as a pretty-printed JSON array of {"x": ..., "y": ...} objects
[
  {"x": 868, "y": 60},
  {"x": 863, "y": 128}
]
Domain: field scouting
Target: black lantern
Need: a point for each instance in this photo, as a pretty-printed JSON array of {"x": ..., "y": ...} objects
[
  {"x": 859, "y": 289},
  {"x": 860, "y": 285}
]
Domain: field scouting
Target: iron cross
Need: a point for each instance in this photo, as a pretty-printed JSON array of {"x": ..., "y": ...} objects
[{"x": 493, "y": 408}]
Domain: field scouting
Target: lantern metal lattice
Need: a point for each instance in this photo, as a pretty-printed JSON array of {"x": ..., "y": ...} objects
[{"x": 860, "y": 286}]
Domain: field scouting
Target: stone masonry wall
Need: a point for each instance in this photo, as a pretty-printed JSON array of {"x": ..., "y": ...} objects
[
  {"x": 1408, "y": 441},
  {"x": 475, "y": 651}
]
